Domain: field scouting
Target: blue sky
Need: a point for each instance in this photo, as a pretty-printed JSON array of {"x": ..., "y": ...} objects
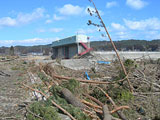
[{"x": 34, "y": 22}]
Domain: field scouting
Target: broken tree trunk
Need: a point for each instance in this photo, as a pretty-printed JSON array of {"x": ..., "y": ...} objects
[
  {"x": 94, "y": 99},
  {"x": 54, "y": 103},
  {"x": 106, "y": 113},
  {"x": 72, "y": 99},
  {"x": 115, "y": 49},
  {"x": 120, "y": 114}
]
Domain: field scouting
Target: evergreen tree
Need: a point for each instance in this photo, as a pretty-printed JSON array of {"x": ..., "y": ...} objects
[{"x": 11, "y": 51}]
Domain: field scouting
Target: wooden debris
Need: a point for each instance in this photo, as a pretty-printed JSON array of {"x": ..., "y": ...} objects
[
  {"x": 91, "y": 105},
  {"x": 55, "y": 104},
  {"x": 4, "y": 74},
  {"x": 113, "y": 103},
  {"x": 94, "y": 99},
  {"x": 106, "y": 113},
  {"x": 72, "y": 99}
]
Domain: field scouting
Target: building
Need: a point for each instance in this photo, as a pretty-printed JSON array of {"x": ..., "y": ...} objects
[{"x": 68, "y": 47}]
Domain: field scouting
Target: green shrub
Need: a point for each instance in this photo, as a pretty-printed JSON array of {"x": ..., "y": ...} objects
[
  {"x": 45, "y": 112},
  {"x": 24, "y": 62},
  {"x": 74, "y": 111},
  {"x": 99, "y": 95},
  {"x": 129, "y": 63},
  {"x": 15, "y": 68},
  {"x": 125, "y": 95},
  {"x": 43, "y": 77},
  {"x": 72, "y": 85}
]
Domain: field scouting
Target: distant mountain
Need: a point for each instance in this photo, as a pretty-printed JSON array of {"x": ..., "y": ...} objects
[
  {"x": 123, "y": 45},
  {"x": 27, "y": 49},
  {"x": 126, "y": 45}
]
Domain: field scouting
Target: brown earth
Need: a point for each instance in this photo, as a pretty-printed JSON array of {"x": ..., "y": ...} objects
[{"x": 12, "y": 73}]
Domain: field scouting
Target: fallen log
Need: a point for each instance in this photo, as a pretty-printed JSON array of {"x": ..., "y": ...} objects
[
  {"x": 55, "y": 104},
  {"x": 94, "y": 99},
  {"x": 91, "y": 105},
  {"x": 113, "y": 111},
  {"x": 85, "y": 81},
  {"x": 80, "y": 80},
  {"x": 106, "y": 113},
  {"x": 119, "y": 108},
  {"x": 72, "y": 99},
  {"x": 48, "y": 70},
  {"x": 121, "y": 115}
]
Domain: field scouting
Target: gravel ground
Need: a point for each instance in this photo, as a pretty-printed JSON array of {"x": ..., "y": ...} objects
[{"x": 11, "y": 75}]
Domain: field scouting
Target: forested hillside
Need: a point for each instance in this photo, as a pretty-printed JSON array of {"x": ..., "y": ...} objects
[{"x": 124, "y": 45}]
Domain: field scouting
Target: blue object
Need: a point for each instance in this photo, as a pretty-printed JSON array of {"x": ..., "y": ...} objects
[
  {"x": 103, "y": 62},
  {"x": 88, "y": 78}
]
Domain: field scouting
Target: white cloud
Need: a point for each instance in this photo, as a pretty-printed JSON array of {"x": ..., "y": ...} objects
[
  {"x": 119, "y": 32},
  {"x": 26, "y": 18},
  {"x": 148, "y": 29},
  {"x": 152, "y": 34},
  {"x": 56, "y": 30},
  {"x": 55, "y": 17},
  {"x": 111, "y": 4},
  {"x": 86, "y": 31},
  {"x": 147, "y": 24},
  {"x": 22, "y": 18},
  {"x": 41, "y": 30},
  {"x": 26, "y": 42},
  {"x": 122, "y": 35},
  {"x": 33, "y": 41},
  {"x": 30, "y": 40},
  {"x": 136, "y": 4},
  {"x": 70, "y": 9},
  {"x": 117, "y": 26},
  {"x": 48, "y": 21},
  {"x": 7, "y": 21},
  {"x": 6, "y": 42},
  {"x": 47, "y": 16}
]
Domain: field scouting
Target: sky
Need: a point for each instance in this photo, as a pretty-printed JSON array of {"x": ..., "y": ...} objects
[{"x": 39, "y": 22}]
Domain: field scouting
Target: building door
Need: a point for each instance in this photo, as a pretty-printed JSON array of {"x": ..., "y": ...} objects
[
  {"x": 66, "y": 52},
  {"x": 56, "y": 52}
]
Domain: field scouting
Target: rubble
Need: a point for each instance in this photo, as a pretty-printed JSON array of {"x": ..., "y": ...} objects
[{"x": 107, "y": 86}]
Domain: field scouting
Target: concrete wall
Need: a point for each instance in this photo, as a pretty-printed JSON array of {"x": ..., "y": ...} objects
[
  {"x": 128, "y": 55},
  {"x": 61, "y": 51},
  {"x": 73, "y": 50},
  {"x": 70, "y": 40},
  {"x": 58, "y": 52}
]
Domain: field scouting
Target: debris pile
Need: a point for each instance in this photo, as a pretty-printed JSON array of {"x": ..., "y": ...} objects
[{"x": 69, "y": 94}]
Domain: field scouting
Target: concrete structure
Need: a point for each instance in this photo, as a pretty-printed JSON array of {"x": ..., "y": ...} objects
[
  {"x": 128, "y": 55},
  {"x": 71, "y": 46}
]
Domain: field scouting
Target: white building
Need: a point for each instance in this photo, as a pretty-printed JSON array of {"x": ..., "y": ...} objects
[{"x": 71, "y": 46}]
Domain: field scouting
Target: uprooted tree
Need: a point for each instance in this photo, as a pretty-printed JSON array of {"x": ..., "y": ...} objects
[{"x": 102, "y": 24}]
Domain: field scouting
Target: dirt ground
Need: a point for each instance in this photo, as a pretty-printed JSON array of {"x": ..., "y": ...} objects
[{"x": 12, "y": 73}]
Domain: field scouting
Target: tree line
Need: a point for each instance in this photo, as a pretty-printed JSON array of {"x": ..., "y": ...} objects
[{"x": 123, "y": 45}]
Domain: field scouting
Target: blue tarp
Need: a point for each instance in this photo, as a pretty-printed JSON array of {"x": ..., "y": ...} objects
[
  {"x": 88, "y": 78},
  {"x": 103, "y": 62}
]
